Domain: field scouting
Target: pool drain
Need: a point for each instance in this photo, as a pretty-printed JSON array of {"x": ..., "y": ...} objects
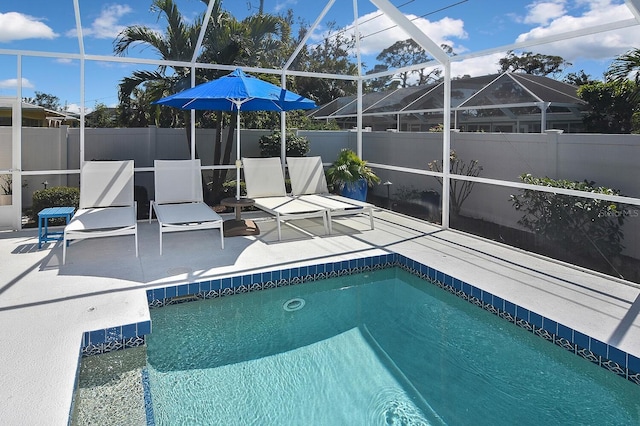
[{"x": 293, "y": 304}]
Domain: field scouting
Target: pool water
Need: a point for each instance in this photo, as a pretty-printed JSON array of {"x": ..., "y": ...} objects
[{"x": 378, "y": 348}]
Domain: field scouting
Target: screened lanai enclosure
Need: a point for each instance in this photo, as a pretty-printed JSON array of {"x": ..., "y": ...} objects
[
  {"x": 508, "y": 103},
  {"x": 479, "y": 153}
]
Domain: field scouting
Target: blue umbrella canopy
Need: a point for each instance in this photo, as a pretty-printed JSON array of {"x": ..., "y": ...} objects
[{"x": 235, "y": 92}]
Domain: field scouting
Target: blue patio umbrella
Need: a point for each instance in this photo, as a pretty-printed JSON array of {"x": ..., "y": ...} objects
[{"x": 235, "y": 92}]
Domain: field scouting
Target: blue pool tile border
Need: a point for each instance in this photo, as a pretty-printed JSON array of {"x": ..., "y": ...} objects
[
  {"x": 596, "y": 351},
  {"x": 148, "y": 402},
  {"x": 114, "y": 338}
]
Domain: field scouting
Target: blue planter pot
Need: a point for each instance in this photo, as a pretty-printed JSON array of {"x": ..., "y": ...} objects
[{"x": 356, "y": 191}]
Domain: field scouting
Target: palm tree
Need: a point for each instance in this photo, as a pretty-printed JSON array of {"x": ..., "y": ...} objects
[
  {"x": 177, "y": 43},
  {"x": 623, "y": 68}
]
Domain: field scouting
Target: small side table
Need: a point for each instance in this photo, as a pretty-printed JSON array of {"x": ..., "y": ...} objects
[
  {"x": 44, "y": 235},
  {"x": 236, "y": 227}
]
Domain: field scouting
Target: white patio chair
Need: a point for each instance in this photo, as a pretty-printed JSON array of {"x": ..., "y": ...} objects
[
  {"x": 107, "y": 207},
  {"x": 265, "y": 185},
  {"x": 178, "y": 201},
  {"x": 308, "y": 183}
]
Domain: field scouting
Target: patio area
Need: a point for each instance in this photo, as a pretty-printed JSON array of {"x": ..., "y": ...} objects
[{"x": 45, "y": 307}]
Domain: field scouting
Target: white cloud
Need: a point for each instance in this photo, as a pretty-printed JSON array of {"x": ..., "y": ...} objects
[
  {"x": 12, "y": 83},
  {"x": 597, "y": 46},
  {"x": 106, "y": 24},
  {"x": 477, "y": 66},
  {"x": 16, "y": 26},
  {"x": 379, "y": 32},
  {"x": 542, "y": 12},
  {"x": 284, "y": 4},
  {"x": 75, "y": 108}
]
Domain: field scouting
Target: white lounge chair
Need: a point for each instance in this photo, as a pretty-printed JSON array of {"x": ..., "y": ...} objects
[
  {"x": 308, "y": 183},
  {"x": 107, "y": 207},
  {"x": 265, "y": 185},
  {"x": 179, "y": 203}
]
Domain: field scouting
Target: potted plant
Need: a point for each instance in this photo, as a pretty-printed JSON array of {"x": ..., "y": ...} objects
[{"x": 351, "y": 176}]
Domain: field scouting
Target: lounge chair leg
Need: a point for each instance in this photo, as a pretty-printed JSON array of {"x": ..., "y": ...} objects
[
  {"x": 64, "y": 250},
  {"x": 279, "y": 231},
  {"x": 330, "y": 220},
  {"x": 160, "y": 242},
  {"x": 150, "y": 210},
  {"x": 371, "y": 216},
  {"x": 136, "y": 238},
  {"x": 222, "y": 237}
]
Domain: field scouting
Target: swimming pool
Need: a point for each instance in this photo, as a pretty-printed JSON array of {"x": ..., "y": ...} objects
[{"x": 381, "y": 347}]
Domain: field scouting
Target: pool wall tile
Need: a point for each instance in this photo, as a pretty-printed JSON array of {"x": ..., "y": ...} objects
[
  {"x": 112, "y": 334},
  {"x": 183, "y": 290},
  {"x": 616, "y": 355},
  {"x": 581, "y": 339},
  {"x": 448, "y": 280},
  {"x": 193, "y": 288},
  {"x": 457, "y": 284},
  {"x": 466, "y": 288},
  {"x": 144, "y": 328},
  {"x": 598, "y": 347},
  {"x": 114, "y": 338},
  {"x": 510, "y": 308},
  {"x": 634, "y": 363},
  {"x": 475, "y": 292},
  {"x": 565, "y": 332},
  {"x": 226, "y": 283},
  {"x": 171, "y": 292},
  {"x": 205, "y": 286},
  {"x": 97, "y": 337},
  {"x": 550, "y": 325},
  {"x": 129, "y": 331},
  {"x": 522, "y": 313},
  {"x": 535, "y": 319},
  {"x": 304, "y": 271}
]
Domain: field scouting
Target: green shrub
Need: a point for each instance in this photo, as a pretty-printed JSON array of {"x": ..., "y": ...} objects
[
  {"x": 348, "y": 169},
  {"x": 229, "y": 189},
  {"x": 57, "y": 196},
  {"x": 582, "y": 226},
  {"x": 297, "y": 146}
]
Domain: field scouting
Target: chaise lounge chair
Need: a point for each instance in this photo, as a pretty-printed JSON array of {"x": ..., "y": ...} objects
[
  {"x": 265, "y": 185},
  {"x": 308, "y": 183},
  {"x": 179, "y": 202},
  {"x": 107, "y": 207}
]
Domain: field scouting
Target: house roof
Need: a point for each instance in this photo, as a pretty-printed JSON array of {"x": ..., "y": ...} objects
[{"x": 507, "y": 90}]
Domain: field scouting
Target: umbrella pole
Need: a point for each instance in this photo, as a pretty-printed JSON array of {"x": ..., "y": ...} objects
[{"x": 238, "y": 154}]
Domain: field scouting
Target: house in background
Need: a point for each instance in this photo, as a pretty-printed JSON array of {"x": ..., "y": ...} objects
[
  {"x": 37, "y": 116},
  {"x": 507, "y": 103}
]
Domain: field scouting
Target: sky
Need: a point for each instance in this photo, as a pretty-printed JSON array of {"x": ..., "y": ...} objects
[{"x": 466, "y": 25}]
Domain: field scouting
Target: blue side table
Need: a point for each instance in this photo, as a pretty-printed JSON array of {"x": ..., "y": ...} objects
[{"x": 44, "y": 236}]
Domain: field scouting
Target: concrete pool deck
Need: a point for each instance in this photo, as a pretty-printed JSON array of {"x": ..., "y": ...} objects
[{"x": 45, "y": 307}]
